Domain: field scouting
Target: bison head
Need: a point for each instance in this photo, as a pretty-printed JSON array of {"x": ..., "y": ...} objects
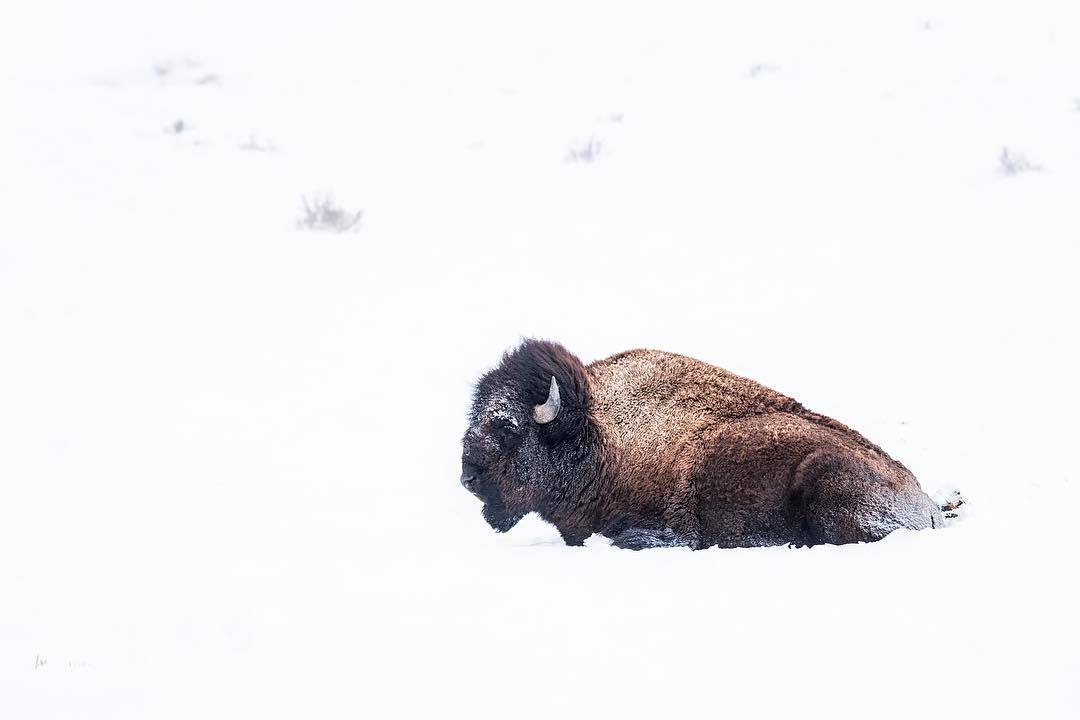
[{"x": 525, "y": 428}]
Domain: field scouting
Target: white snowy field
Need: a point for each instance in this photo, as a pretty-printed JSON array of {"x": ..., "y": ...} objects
[{"x": 229, "y": 448}]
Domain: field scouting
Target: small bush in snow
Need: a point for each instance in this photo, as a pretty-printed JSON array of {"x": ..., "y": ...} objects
[
  {"x": 585, "y": 153},
  {"x": 322, "y": 213},
  {"x": 761, "y": 69},
  {"x": 166, "y": 69},
  {"x": 252, "y": 144},
  {"x": 1013, "y": 163}
]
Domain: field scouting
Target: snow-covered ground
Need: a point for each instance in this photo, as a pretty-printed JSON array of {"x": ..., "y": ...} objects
[{"x": 229, "y": 448}]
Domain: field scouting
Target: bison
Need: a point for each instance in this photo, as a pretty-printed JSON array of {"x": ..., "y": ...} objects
[{"x": 653, "y": 449}]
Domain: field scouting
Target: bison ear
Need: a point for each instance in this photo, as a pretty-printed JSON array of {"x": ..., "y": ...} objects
[{"x": 549, "y": 410}]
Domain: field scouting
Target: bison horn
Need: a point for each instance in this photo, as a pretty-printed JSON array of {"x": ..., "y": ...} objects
[{"x": 547, "y": 412}]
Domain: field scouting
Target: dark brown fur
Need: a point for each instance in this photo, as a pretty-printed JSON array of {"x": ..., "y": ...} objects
[{"x": 651, "y": 449}]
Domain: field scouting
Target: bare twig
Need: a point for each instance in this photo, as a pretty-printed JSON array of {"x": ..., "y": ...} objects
[{"x": 322, "y": 213}]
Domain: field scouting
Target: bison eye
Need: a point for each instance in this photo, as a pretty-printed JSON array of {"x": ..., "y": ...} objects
[{"x": 508, "y": 435}]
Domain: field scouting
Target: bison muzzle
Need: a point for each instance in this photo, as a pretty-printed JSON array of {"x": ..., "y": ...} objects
[{"x": 653, "y": 449}]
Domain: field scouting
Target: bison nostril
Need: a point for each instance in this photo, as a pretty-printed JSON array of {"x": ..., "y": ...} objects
[{"x": 469, "y": 481}]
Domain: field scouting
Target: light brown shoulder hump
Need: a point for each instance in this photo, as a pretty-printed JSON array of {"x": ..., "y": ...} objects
[
  {"x": 683, "y": 385},
  {"x": 683, "y": 389}
]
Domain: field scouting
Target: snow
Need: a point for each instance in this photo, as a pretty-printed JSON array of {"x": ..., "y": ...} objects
[{"x": 229, "y": 449}]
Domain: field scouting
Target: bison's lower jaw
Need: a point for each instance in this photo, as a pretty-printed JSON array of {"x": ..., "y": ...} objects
[{"x": 499, "y": 519}]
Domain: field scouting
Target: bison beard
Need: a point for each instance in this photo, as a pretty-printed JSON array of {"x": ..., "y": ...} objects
[
  {"x": 654, "y": 449},
  {"x": 498, "y": 517}
]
